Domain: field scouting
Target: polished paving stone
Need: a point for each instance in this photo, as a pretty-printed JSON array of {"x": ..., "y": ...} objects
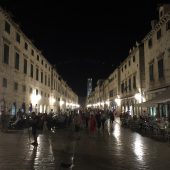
[{"x": 116, "y": 148}]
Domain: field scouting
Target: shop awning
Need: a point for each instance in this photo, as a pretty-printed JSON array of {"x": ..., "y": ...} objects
[
  {"x": 149, "y": 103},
  {"x": 162, "y": 98}
]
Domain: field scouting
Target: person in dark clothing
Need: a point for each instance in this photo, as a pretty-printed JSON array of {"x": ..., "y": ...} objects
[
  {"x": 98, "y": 120},
  {"x": 112, "y": 117},
  {"x": 34, "y": 128},
  {"x": 103, "y": 120}
]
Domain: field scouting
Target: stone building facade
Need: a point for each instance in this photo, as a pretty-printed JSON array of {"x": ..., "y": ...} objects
[
  {"x": 27, "y": 80},
  {"x": 143, "y": 81},
  {"x": 157, "y": 64}
]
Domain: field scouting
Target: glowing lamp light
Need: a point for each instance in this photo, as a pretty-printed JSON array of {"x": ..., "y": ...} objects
[
  {"x": 77, "y": 105},
  {"x": 118, "y": 101},
  {"x": 61, "y": 102},
  {"x": 107, "y": 102},
  {"x": 102, "y": 103},
  {"x": 138, "y": 96},
  {"x": 52, "y": 100},
  {"x": 35, "y": 98}
]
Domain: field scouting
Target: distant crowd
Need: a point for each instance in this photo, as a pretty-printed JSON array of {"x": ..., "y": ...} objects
[{"x": 93, "y": 120}]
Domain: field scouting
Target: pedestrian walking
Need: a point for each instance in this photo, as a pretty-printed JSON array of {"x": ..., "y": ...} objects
[
  {"x": 77, "y": 122},
  {"x": 92, "y": 124},
  {"x": 98, "y": 120},
  {"x": 103, "y": 120},
  {"x": 112, "y": 117},
  {"x": 34, "y": 128}
]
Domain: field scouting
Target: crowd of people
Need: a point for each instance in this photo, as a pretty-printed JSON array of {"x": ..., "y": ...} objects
[{"x": 92, "y": 120}]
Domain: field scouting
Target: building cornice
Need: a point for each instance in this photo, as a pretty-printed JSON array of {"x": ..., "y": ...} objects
[{"x": 163, "y": 20}]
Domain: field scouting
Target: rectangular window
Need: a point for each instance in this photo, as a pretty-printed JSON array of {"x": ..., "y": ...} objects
[
  {"x": 125, "y": 87},
  {"x": 4, "y": 82},
  {"x": 7, "y": 27},
  {"x": 160, "y": 69},
  {"x": 32, "y": 71},
  {"x": 45, "y": 79},
  {"x": 151, "y": 75},
  {"x": 16, "y": 61},
  {"x": 36, "y": 91},
  {"x": 168, "y": 25},
  {"x": 122, "y": 87},
  {"x": 30, "y": 90},
  {"x": 133, "y": 58},
  {"x": 158, "y": 34},
  {"x": 134, "y": 82},
  {"x": 26, "y": 46},
  {"x": 24, "y": 88},
  {"x": 129, "y": 62},
  {"x": 15, "y": 86},
  {"x": 37, "y": 74},
  {"x": 150, "y": 43},
  {"x": 17, "y": 37},
  {"x": 38, "y": 57},
  {"x": 25, "y": 66},
  {"x": 111, "y": 93},
  {"x": 42, "y": 62},
  {"x": 41, "y": 77},
  {"x": 6, "y": 54},
  {"x": 49, "y": 81},
  {"x": 54, "y": 85},
  {"x": 130, "y": 84},
  {"x": 32, "y": 52}
]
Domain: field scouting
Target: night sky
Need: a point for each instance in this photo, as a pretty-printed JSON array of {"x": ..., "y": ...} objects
[{"x": 84, "y": 40}]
